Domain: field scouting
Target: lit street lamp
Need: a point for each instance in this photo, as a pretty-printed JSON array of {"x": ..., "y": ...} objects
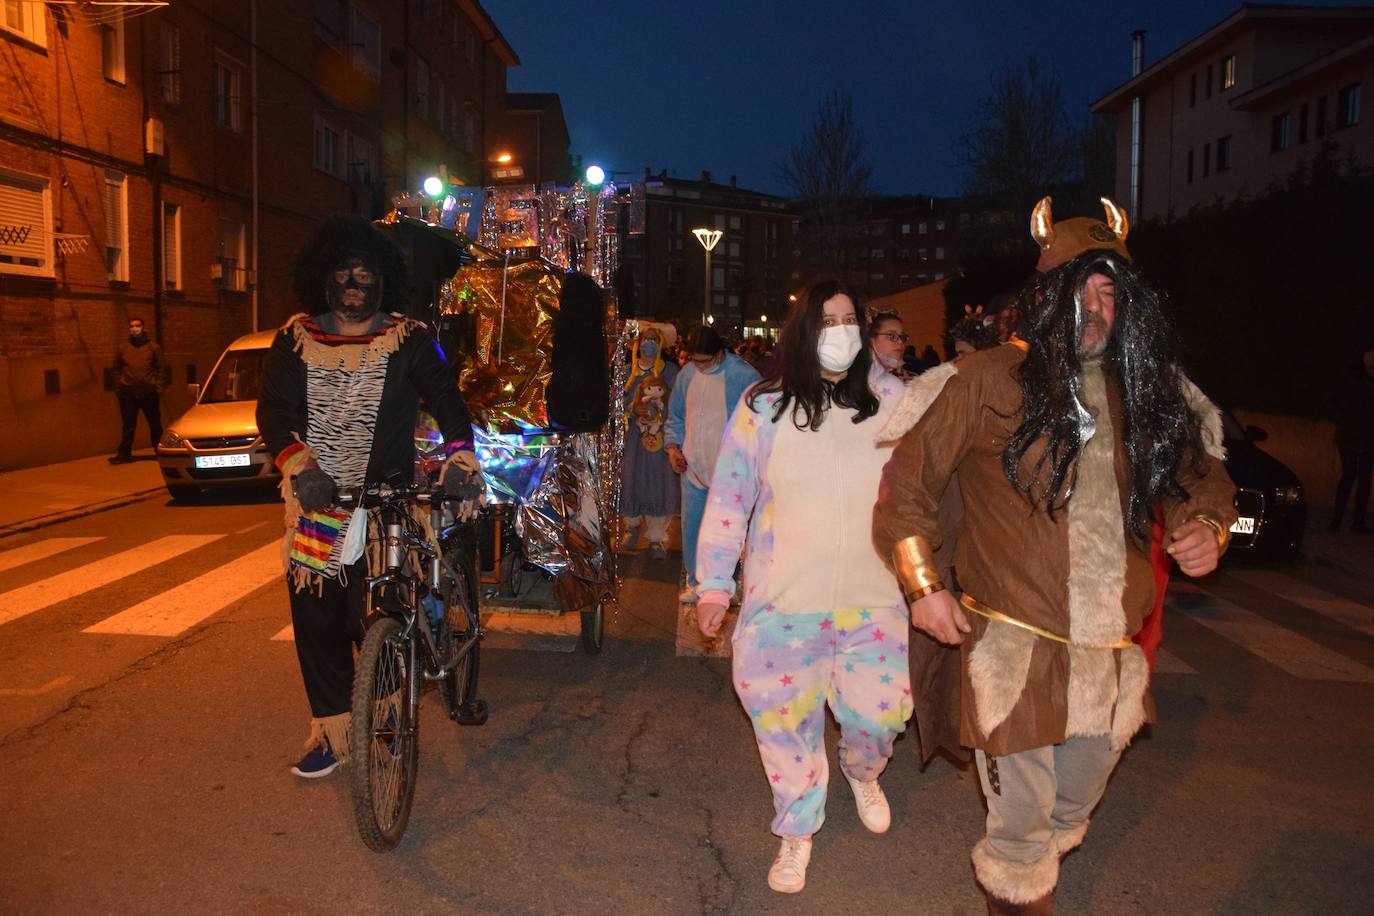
[{"x": 708, "y": 239}]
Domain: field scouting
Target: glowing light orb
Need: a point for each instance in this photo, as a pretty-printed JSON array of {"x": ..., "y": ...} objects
[{"x": 595, "y": 174}]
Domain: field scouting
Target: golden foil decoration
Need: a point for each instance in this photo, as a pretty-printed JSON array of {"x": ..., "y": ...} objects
[{"x": 513, "y": 309}]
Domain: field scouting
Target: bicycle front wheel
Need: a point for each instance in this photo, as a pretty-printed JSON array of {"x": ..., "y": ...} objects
[{"x": 384, "y": 745}]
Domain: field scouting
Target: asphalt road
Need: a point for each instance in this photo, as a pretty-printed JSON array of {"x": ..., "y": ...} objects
[{"x": 150, "y": 705}]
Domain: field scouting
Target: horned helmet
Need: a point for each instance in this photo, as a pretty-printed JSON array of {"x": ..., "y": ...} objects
[{"x": 1063, "y": 241}]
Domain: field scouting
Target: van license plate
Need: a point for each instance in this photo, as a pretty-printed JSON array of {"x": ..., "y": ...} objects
[
  {"x": 222, "y": 461},
  {"x": 1244, "y": 525}
]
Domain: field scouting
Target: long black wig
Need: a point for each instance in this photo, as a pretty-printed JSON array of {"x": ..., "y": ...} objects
[
  {"x": 1160, "y": 431},
  {"x": 796, "y": 372},
  {"x": 334, "y": 241}
]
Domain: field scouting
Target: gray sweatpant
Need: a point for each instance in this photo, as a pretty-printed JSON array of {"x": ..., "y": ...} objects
[{"x": 1038, "y": 806}]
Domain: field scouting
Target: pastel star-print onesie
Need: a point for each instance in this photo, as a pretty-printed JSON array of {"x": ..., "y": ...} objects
[{"x": 822, "y": 620}]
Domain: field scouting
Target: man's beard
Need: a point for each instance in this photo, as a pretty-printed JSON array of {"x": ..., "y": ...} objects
[{"x": 1098, "y": 346}]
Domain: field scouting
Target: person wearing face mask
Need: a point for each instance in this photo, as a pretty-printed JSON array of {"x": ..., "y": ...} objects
[
  {"x": 140, "y": 374},
  {"x": 341, "y": 390},
  {"x": 649, "y": 494},
  {"x": 889, "y": 343},
  {"x": 708, "y": 387},
  {"x": 822, "y": 620}
]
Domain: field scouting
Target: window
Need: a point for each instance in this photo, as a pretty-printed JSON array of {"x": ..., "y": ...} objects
[
  {"x": 1206, "y": 159},
  {"x": 366, "y": 44},
  {"x": 1192, "y": 91},
  {"x": 169, "y": 64},
  {"x": 362, "y": 159},
  {"x": 1190, "y": 167},
  {"x": 1228, "y": 72},
  {"x": 330, "y": 22},
  {"x": 422, "y": 88},
  {"x": 904, "y": 254},
  {"x": 923, "y": 254},
  {"x": 878, "y": 254},
  {"x": 1224, "y": 154},
  {"x": 233, "y": 276},
  {"x": 1281, "y": 133},
  {"x": 26, "y": 242},
  {"x": 734, "y": 249},
  {"x": 906, "y": 228},
  {"x": 1208, "y": 87},
  {"x": 116, "y": 227},
  {"x": 112, "y": 51},
  {"x": 228, "y": 92},
  {"x": 1348, "y": 106},
  {"x": 939, "y": 253},
  {"x": 717, "y": 278},
  {"x": 171, "y": 246},
  {"x": 736, "y": 223},
  {"x": 921, "y": 229},
  {"x": 1321, "y": 117},
  {"x": 1302, "y": 123},
  {"x": 328, "y": 147},
  {"x": 939, "y": 225},
  {"x": 24, "y": 19}
]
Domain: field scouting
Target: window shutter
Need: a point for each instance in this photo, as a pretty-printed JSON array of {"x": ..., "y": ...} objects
[
  {"x": 24, "y": 237},
  {"x": 169, "y": 246},
  {"x": 114, "y": 205}
]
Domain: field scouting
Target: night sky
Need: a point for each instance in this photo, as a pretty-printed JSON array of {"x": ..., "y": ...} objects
[{"x": 727, "y": 86}]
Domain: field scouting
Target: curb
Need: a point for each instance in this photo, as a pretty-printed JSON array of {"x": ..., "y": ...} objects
[{"x": 66, "y": 515}]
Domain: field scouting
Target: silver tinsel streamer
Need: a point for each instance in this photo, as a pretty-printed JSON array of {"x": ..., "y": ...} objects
[{"x": 611, "y": 440}]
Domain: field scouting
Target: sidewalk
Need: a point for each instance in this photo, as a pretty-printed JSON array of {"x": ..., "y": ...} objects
[{"x": 35, "y": 497}]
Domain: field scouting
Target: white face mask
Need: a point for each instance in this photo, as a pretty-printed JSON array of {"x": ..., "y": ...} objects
[{"x": 838, "y": 346}]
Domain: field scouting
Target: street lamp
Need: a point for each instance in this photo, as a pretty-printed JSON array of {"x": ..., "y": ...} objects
[{"x": 708, "y": 239}]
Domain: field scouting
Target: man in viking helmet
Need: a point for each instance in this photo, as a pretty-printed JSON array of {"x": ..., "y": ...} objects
[{"x": 1069, "y": 446}]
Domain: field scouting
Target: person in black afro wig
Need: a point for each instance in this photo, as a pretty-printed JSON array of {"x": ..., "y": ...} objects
[{"x": 334, "y": 242}]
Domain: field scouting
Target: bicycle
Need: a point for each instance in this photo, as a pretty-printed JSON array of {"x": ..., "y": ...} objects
[{"x": 422, "y": 624}]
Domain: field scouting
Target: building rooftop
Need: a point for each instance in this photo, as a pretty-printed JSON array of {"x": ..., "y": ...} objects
[{"x": 1247, "y": 14}]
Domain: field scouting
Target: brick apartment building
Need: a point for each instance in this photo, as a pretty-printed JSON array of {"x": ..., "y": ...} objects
[
  {"x": 1241, "y": 105},
  {"x": 663, "y": 272},
  {"x": 127, "y": 167}
]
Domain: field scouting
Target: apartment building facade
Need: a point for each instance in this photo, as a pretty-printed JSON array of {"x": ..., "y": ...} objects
[{"x": 1242, "y": 105}]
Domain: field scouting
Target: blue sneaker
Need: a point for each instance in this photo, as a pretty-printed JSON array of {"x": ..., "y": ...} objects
[{"x": 319, "y": 762}]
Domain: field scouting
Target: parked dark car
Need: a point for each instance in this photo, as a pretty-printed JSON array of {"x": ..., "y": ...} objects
[{"x": 1269, "y": 496}]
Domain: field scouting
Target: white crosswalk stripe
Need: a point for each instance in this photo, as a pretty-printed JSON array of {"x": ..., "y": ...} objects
[
  {"x": 1281, "y": 647},
  {"x": 41, "y": 550},
  {"x": 1167, "y": 662},
  {"x": 1357, "y": 616},
  {"x": 176, "y": 610},
  {"x": 45, "y": 593}
]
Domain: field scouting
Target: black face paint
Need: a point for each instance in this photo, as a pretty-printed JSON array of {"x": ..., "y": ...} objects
[{"x": 353, "y": 290}]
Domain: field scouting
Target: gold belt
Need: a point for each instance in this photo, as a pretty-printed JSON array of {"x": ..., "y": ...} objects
[{"x": 982, "y": 610}]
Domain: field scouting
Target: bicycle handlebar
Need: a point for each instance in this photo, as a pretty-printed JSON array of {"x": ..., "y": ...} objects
[{"x": 380, "y": 494}]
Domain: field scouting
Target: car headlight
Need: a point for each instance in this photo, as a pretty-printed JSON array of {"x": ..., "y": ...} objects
[
  {"x": 171, "y": 439},
  {"x": 1288, "y": 496}
]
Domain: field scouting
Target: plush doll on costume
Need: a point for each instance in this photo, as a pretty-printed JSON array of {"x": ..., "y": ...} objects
[{"x": 650, "y": 411}]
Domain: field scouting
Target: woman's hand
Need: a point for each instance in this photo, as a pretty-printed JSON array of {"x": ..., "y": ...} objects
[{"x": 710, "y": 616}]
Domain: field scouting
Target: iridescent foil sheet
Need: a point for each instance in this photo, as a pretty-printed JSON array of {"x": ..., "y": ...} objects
[{"x": 513, "y": 306}]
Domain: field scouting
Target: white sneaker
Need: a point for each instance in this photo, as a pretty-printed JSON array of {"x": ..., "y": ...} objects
[
  {"x": 871, "y": 803},
  {"x": 687, "y": 596},
  {"x": 788, "y": 874}
]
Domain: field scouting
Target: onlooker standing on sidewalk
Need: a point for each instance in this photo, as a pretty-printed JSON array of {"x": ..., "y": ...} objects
[
  {"x": 706, "y": 391},
  {"x": 1355, "y": 441},
  {"x": 141, "y": 372}
]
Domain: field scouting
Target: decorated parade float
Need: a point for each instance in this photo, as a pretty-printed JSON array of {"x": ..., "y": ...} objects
[{"x": 526, "y": 317}]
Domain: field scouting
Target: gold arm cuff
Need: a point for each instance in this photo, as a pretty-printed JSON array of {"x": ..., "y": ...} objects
[
  {"x": 982, "y": 610},
  {"x": 913, "y": 560},
  {"x": 1223, "y": 535}
]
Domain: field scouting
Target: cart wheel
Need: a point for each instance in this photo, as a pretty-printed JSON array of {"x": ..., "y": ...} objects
[{"x": 594, "y": 629}]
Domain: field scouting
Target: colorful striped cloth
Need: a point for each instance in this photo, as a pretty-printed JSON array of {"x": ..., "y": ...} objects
[{"x": 318, "y": 538}]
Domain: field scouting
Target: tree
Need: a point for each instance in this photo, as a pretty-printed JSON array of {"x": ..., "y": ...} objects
[
  {"x": 829, "y": 172},
  {"x": 1021, "y": 143}
]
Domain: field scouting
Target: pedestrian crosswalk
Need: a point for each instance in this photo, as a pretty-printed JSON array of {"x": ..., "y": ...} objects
[{"x": 214, "y": 573}]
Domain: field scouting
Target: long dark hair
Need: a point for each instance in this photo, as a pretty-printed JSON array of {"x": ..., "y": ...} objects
[
  {"x": 796, "y": 372},
  {"x": 1160, "y": 431}
]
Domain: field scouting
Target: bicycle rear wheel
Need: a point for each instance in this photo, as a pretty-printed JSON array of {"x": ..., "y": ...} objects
[{"x": 384, "y": 745}]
